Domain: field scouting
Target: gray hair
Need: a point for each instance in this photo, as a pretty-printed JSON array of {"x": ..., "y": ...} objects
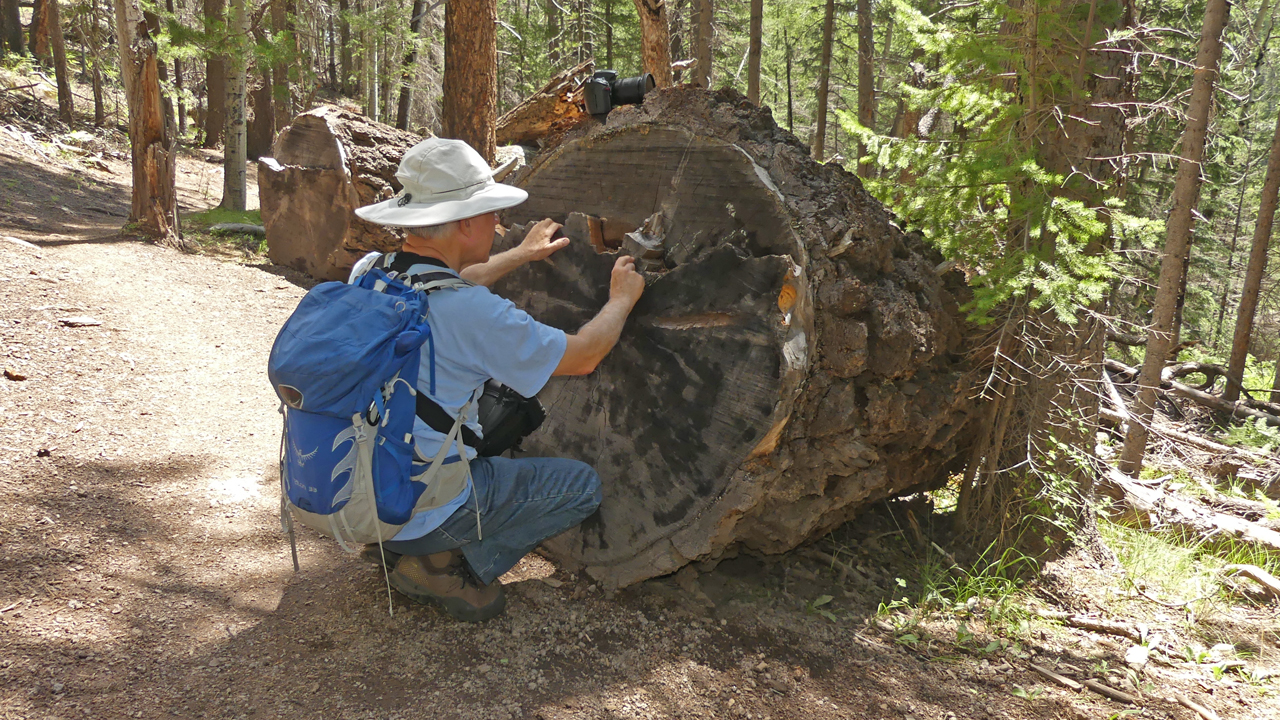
[{"x": 433, "y": 232}]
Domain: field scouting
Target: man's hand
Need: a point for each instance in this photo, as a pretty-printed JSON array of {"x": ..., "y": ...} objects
[
  {"x": 625, "y": 283},
  {"x": 538, "y": 243}
]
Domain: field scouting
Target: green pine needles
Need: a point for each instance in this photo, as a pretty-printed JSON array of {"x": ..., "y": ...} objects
[{"x": 966, "y": 166}]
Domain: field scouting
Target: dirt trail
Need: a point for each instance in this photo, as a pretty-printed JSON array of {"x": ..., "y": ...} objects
[{"x": 144, "y": 573}]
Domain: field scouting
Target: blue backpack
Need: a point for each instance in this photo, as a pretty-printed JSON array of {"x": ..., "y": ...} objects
[{"x": 345, "y": 366}]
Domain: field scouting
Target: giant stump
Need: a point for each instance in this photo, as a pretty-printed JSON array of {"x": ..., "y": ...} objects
[{"x": 794, "y": 358}]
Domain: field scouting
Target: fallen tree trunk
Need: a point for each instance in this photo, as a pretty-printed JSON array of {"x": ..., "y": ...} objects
[
  {"x": 1239, "y": 408},
  {"x": 548, "y": 113},
  {"x": 794, "y": 358},
  {"x": 324, "y": 165},
  {"x": 1168, "y": 510}
]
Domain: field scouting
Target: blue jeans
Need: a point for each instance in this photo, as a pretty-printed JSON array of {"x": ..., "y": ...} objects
[{"x": 522, "y": 502}]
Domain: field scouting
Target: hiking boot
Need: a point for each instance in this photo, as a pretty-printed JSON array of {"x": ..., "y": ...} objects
[
  {"x": 380, "y": 556},
  {"x": 444, "y": 579}
]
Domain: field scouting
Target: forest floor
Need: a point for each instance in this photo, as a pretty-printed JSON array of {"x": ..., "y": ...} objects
[{"x": 143, "y": 572}]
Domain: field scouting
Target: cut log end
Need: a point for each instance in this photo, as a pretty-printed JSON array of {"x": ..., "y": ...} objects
[{"x": 763, "y": 391}]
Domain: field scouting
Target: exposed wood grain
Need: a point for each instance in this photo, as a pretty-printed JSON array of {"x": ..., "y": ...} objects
[{"x": 763, "y": 390}]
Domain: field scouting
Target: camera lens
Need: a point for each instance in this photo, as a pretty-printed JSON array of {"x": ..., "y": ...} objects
[{"x": 629, "y": 91}]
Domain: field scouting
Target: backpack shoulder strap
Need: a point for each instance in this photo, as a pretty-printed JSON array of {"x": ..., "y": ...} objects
[{"x": 398, "y": 264}]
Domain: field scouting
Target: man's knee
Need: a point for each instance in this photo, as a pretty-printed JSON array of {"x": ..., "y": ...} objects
[{"x": 587, "y": 481}]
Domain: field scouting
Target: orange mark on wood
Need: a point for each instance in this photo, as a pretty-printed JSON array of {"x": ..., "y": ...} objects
[
  {"x": 769, "y": 442},
  {"x": 787, "y": 298},
  {"x": 691, "y": 322}
]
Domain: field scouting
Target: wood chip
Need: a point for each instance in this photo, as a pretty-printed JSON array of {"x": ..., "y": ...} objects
[{"x": 80, "y": 321}]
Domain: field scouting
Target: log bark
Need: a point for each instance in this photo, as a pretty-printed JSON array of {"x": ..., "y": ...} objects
[
  {"x": 794, "y": 358},
  {"x": 1178, "y": 233},
  {"x": 655, "y": 40},
  {"x": 470, "y": 108},
  {"x": 324, "y": 165},
  {"x": 1257, "y": 267},
  {"x": 154, "y": 208},
  {"x": 548, "y": 113}
]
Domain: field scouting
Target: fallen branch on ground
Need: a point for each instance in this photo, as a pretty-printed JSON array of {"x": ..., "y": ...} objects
[
  {"x": 1062, "y": 680},
  {"x": 1204, "y": 712},
  {"x": 1084, "y": 622},
  {"x": 1258, "y": 575},
  {"x": 1110, "y": 692},
  {"x": 1172, "y": 511}
]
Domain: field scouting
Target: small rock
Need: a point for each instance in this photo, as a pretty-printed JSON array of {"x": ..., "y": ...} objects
[
  {"x": 214, "y": 662},
  {"x": 552, "y": 582},
  {"x": 14, "y": 375},
  {"x": 57, "y": 687},
  {"x": 115, "y": 609},
  {"x": 75, "y": 604}
]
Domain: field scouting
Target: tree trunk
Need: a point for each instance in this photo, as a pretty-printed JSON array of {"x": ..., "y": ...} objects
[
  {"x": 1275, "y": 384},
  {"x": 824, "y": 77},
  {"x": 261, "y": 130},
  {"x": 12, "y": 27},
  {"x": 552, "y": 10},
  {"x": 866, "y": 80},
  {"x": 791, "y": 126},
  {"x": 608, "y": 33},
  {"x": 677, "y": 32},
  {"x": 796, "y": 353},
  {"x": 702, "y": 72},
  {"x": 53, "y": 21},
  {"x": 215, "y": 73},
  {"x": 655, "y": 40},
  {"x": 282, "y": 92},
  {"x": 333, "y": 57},
  {"x": 154, "y": 209},
  {"x": 1178, "y": 233},
  {"x": 1257, "y": 267},
  {"x": 471, "y": 75},
  {"x": 39, "y": 31},
  {"x": 409, "y": 67},
  {"x": 753, "y": 50},
  {"x": 177, "y": 85},
  {"x": 344, "y": 31},
  {"x": 327, "y": 163},
  {"x": 234, "y": 157}
]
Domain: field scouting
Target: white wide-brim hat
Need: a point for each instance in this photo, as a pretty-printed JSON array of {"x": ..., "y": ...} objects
[{"x": 444, "y": 180}]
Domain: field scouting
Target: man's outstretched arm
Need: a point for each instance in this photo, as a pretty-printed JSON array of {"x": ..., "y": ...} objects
[
  {"x": 584, "y": 350},
  {"x": 537, "y": 245}
]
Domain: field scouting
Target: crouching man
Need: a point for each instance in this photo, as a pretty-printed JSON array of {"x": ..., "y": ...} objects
[{"x": 453, "y": 554}]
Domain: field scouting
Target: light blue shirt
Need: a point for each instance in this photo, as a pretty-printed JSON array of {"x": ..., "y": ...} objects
[{"x": 477, "y": 336}]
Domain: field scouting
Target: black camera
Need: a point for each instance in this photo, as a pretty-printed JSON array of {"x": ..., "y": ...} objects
[{"x": 604, "y": 90}]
